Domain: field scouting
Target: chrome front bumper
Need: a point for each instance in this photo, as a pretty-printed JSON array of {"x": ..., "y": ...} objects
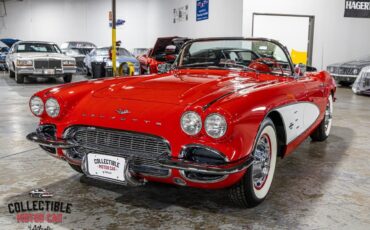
[
  {"x": 347, "y": 78},
  {"x": 165, "y": 161},
  {"x": 46, "y": 72}
]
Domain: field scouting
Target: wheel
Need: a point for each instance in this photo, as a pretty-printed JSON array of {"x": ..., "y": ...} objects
[
  {"x": 11, "y": 74},
  {"x": 77, "y": 168},
  {"x": 19, "y": 78},
  {"x": 67, "y": 78},
  {"x": 345, "y": 83},
  {"x": 322, "y": 132},
  {"x": 88, "y": 72},
  {"x": 256, "y": 182}
]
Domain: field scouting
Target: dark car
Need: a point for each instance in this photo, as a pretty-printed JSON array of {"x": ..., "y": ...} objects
[
  {"x": 346, "y": 73},
  {"x": 5, "y": 45}
]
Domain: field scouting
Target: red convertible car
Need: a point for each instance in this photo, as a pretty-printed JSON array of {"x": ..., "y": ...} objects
[
  {"x": 220, "y": 118},
  {"x": 165, "y": 51}
]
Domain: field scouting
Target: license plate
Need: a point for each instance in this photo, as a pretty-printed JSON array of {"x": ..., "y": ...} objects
[
  {"x": 49, "y": 71},
  {"x": 105, "y": 166}
]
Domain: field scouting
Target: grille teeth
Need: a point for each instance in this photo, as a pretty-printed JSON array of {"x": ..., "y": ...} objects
[
  {"x": 143, "y": 150},
  {"x": 48, "y": 64}
]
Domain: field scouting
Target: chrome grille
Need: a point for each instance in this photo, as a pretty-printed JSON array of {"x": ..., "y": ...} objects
[
  {"x": 48, "y": 64},
  {"x": 143, "y": 150},
  {"x": 344, "y": 70}
]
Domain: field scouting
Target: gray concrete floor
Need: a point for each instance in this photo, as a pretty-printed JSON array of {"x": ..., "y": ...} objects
[{"x": 322, "y": 185}]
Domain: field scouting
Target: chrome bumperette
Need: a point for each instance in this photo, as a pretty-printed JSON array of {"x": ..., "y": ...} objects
[
  {"x": 219, "y": 169},
  {"x": 44, "y": 141}
]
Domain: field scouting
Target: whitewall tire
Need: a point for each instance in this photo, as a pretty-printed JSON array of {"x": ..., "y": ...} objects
[
  {"x": 322, "y": 132},
  {"x": 256, "y": 183}
]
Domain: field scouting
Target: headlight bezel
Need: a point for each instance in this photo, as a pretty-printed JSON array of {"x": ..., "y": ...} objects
[
  {"x": 223, "y": 128},
  {"x": 199, "y": 122},
  {"x": 47, "y": 107},
  {"x": 69, "y": 62},
  {"x": 42, "y": 110},
  {"x": 24, "y": 62}
]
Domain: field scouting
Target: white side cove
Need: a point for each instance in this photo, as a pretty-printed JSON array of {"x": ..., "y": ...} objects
[{"x": 298, "y": 118}]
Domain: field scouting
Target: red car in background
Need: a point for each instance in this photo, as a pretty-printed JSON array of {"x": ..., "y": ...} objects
[
  {"x": 165, "y": 51},
  {"x": 218, "y": 119}
]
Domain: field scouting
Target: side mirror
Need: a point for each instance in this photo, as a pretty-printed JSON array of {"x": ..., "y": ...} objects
[{"x": 300, "y": 70}]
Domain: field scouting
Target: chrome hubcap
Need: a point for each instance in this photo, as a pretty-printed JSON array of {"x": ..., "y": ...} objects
[
  {"x": 328, "y": 116},
  {"x": 261, "y": 164}
]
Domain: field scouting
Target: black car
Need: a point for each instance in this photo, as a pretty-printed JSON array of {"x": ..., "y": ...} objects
[{"x": 346, "y": 73}]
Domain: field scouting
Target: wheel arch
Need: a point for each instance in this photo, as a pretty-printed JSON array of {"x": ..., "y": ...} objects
[{"x": 278, "y": 121}]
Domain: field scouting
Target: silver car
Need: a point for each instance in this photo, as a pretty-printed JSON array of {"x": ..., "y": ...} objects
[
  {"x": 39, "y": 59},
  {"x": 362, "y": 83}
]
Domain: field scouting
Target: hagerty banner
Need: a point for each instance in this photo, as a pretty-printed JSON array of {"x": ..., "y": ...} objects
[{"x": 357, "y": 8}]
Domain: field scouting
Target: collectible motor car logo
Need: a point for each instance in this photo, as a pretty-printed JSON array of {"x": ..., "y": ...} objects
[{"x": 40, "y": 212}]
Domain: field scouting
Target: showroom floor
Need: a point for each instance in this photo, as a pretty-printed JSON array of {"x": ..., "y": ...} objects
[{"x": 321, "y": 185}]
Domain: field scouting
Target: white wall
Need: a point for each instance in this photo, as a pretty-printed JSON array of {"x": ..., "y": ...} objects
[
  {"x": 336, "y": 38},
  {"x": 66, "y": 20},
  {"x": 225, "y": 19}
]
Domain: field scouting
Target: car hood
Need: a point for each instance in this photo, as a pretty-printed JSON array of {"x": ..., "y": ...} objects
[
  {"x": 122, "y": 59},
  {"x": 41, "y": 55},
  {"x": 181, "y": 88},
  {"x": 353, "y": 64}
]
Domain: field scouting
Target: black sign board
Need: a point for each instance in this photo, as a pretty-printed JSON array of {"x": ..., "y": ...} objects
[{"x": 357, "y": 8}]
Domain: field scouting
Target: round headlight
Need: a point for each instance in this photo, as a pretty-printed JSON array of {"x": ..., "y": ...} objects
[
  {"x": 355, "y": 71},
  {"x": 215, "y": 125},
  {"x": 191, "y": 123},
  {"x": 52, "y": 107},
  {"x": 36, "y": 106}
]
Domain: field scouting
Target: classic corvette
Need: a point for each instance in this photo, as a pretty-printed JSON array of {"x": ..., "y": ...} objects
[
  {"x": 346, "y": 73},
  {"x": 219, "y": 119},
  {"x": 362, "y": 83},
  {"x": 164, "y": 52},
  {"x": 39, "y": 59}
]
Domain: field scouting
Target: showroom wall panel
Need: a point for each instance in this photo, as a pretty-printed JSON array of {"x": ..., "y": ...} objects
[
  {"x": 63, "y": 20},
  {"x": 225, "y": 19},
  {"x": 336, "y": 38}
]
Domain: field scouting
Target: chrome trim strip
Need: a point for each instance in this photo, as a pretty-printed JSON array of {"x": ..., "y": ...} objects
[{"x": 183, "y": 175}]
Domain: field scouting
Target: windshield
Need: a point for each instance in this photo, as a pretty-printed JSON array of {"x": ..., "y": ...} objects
[
  {"x": 253, "y": 55},
  {"x": 37, "y": 48},
  {"x": 120, "y": 52}
]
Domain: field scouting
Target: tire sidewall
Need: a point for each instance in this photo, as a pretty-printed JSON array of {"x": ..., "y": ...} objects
[
  {"x": 267, "y": 128},
  {"x": 327, "y": 131}
]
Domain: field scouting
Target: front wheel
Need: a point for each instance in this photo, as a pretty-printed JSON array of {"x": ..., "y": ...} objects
[
  {"x": 322, "y": 132},
  {"x": 67, "y": 78},
  {"x": 256, "y": 183},
  {"x": 11, "y": 74},
  {"x": 19, "y": 78}
]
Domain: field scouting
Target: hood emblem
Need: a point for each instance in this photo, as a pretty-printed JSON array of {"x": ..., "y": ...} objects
[{"x": 122, "y": 111}]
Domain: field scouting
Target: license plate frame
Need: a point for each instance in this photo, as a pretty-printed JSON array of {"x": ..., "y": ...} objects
[
  {"x": 48, "y": 71},
  {"x": 106, "y": 167}
]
